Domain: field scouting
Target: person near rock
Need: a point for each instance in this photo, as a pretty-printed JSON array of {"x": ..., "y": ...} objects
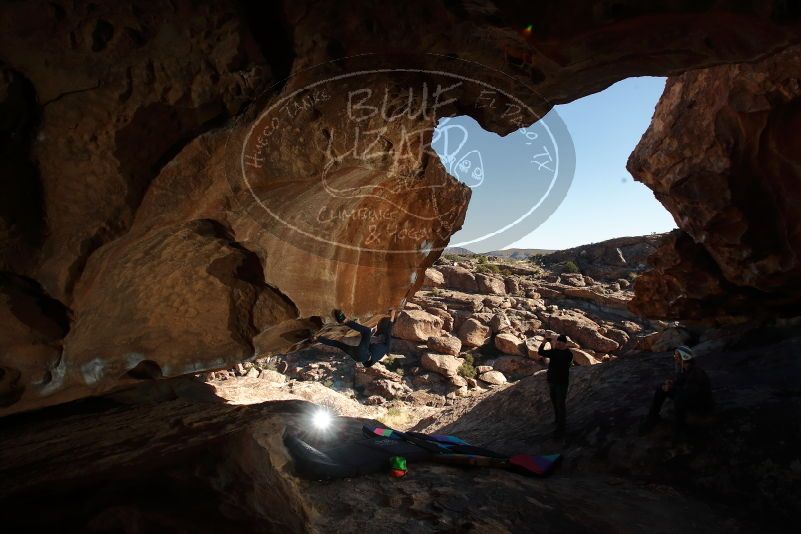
[
  {"x": 559, "y": 359},
  {"x": 690, "y": 391},
  {"x": 366, "y": 352}
]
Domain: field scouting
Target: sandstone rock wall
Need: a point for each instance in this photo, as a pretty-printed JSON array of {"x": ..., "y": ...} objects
[
  {"x": 722, "y": 155},
  {"x": 165, "y": 261}
]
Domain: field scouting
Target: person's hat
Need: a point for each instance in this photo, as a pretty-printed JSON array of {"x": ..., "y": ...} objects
[{"x": 686, "y": 353}]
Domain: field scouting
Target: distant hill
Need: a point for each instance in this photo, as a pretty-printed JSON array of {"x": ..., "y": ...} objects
[
  {"x": 611, "y": 259},
  {"x": 517, "y": 253},
  {"x": 512, "y": 253},
  {"x": 616, "y": 258},
  {"x": 459, "y": 251}
]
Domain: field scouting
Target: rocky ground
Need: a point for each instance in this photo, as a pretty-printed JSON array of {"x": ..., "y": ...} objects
[
  {"x": 185, "y": 460},
  {"x": 148, "y": 459},
  {"x": 464, "y": 354},
  {"x": 476, "y": 325}
]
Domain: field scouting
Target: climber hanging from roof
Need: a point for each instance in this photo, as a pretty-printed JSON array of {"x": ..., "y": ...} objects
[{"x": 366, "y": 352}]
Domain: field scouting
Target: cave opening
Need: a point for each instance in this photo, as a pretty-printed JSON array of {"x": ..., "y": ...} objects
[
  {"x": 602, "y": 201},
  {"x": 161, "y": 259}
]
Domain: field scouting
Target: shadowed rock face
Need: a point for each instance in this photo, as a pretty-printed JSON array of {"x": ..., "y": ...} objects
[
  {"x": 722, "y": 155},
  {"x": 741, "y": 455},
  {"x": 187, "y": 459},
  {"x": 129, "y": 170}
]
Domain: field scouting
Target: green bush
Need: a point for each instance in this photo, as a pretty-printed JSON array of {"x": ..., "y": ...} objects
[
  {"x": 571, "y": 267},
  {"x": 467, "y": 369},
  {"x": 505, "y": 269},
  {"x": 482, "y": 260},
  {"x": 270, "y": 362},
  {"x": 436, "y": 292},
  {"x": 488, "y": 268},
  {"x": 394, "y": 365}
]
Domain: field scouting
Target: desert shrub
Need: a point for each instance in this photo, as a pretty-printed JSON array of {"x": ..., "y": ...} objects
[
  {"x": 632, "y": 276},
  {"x": 571, "y": 267},
  {"x": 395, "y": 417},
  {"x": 467, "y": 369},
  {"x": 505, "y": 269},
  {"x": 270, "y": 362},
  {"x": 394, "y": 365},
  {"x": 488, "y": 268},
  {"x": 482, "y": 260},
  {"x": 454, "y": 258},
  {"x": 436, "y": 292}
]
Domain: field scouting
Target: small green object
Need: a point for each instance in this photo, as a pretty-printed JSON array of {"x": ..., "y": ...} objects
[{"x": 398, "y": 462}]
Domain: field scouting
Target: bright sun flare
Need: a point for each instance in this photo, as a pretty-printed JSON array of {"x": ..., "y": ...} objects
[{"x": 321, "y": 419}]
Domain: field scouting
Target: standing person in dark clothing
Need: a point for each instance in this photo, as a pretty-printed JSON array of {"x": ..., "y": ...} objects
[
  {"x": 690, "y": 391},
  {"x": 365, "y": 352},
  {"x": 559, "y": 359}
]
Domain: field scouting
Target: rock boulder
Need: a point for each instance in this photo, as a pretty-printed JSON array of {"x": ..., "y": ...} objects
[
  {"x": 584, "y": 358},
  {"x": 509, "y": 344},
  {"x": 496, "y": 378},
  {"x": 417, "y": 325},
  {"x": 443, "y": 364},
  {"x": 433, "y": 279},
  {"x": 516, "y": 366},
  {"x": 447, "y": 318},
  {"x": 499, "y": 323},
  {"x": 445, "y": 344},
  {"x": 473, "y": 334},
  {"x": 490, "y": 285},
  {"x": 582, "y": 330},
  {"x": 459, "y": 278}
]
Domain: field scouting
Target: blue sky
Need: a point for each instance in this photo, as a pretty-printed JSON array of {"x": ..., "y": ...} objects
[{"x": 603, "y": 200}]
